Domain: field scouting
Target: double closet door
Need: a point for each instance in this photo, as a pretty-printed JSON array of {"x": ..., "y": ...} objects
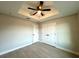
[{"x": 48, "y": 33}]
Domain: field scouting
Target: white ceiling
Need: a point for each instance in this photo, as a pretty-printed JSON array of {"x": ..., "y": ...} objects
[{"x": 65, "y": 8}]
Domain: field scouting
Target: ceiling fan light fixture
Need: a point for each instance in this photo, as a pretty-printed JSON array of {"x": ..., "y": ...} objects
[
  {"x": 39, "y": 12},
  {"x": 40, "y": 7}
]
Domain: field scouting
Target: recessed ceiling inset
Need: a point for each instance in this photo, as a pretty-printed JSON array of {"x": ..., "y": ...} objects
[{"x": 40, "y": 10}]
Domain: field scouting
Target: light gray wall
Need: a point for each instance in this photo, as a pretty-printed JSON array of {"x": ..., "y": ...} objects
[
  {"x": 67, "y": 32},
  {"x": 15, "y": 32}
]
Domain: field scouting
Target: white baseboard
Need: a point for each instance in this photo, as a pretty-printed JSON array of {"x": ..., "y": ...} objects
[
  {"x": 5, "y": 52},
  {"x": 24, "y": 45},
  {"x": 68, "y": 50}
]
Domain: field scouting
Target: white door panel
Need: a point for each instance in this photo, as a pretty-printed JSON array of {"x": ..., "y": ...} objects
[
  {"x": 35, "y": 33},
  {"x": 49, "y": 33}
]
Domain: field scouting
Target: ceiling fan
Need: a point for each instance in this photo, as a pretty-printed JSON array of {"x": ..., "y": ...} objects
[{"x": 39, "y": 9}]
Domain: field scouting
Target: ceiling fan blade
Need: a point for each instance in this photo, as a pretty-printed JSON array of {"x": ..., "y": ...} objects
[
  {"x": 34, "y": 13},
  {"x": 46, "y": 9},
  {"x": 42, "y": 14},
  {"x": 31, "y": 8}
]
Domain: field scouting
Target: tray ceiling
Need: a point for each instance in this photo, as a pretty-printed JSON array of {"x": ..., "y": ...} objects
[
  {"x": 27, "y": 12},
  {"x": 64, "y": 8}
]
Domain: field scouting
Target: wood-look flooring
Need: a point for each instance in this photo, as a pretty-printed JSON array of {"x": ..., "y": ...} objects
[{"x": 39, "y": 50}]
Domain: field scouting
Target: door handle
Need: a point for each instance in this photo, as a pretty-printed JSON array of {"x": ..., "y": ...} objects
[
  {"x": 47, "y": 34},
  {"x": 33, "y": 34}
]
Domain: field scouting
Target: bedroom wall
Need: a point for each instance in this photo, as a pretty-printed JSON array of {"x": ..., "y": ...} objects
[
  {"x": 16, "y": 32},
  {"x": 67, "y": 32}
]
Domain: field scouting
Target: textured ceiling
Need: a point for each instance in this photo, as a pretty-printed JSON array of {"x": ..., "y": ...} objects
[{"x": 64, "y": 8}]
